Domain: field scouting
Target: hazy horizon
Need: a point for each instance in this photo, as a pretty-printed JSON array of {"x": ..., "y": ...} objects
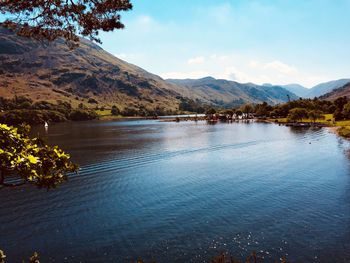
[{"x": 277, "y": 42}]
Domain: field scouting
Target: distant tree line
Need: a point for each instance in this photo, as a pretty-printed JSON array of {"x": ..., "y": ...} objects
[
  {"x": 23, "y": 110},
  {"x": 142, "y": 111},
  {"x": 295, "y": 111},
  {"x": 312, "y": 109},
  {"x": 190, "y": 105}
]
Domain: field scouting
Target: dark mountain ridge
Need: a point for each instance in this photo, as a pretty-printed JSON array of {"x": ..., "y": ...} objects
[
  {"x": 88, "y": 73},
  {"x": 231, "y": 93},
  {"x": 337, "y": 93},
  {"x": 324, "y": 88}
]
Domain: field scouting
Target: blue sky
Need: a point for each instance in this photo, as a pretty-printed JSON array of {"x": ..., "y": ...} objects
[{"x": 279, "y": 42}]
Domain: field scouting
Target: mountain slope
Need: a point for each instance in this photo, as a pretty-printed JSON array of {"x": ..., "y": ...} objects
[
  {"x": 297, "y": 89},
  {"x": 89, "y": 74},
  {"x": 326, "y": 87},
  {"x": 231, "y": 93},
  {"x": 55, "y": 72},
  {"x": 339, "y": 92}
]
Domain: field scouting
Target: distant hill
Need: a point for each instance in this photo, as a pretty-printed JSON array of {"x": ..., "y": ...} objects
[
  {"x": 339, "y": 92},
  {"x": 297, "y": 89},
  {"x": 231, "y": 93},
  {"x": 93, "y": 76},
  {"x": 326, "y": 87},
  {"x": 316, "y": 91},
  {"x": 87, "y": 73}
]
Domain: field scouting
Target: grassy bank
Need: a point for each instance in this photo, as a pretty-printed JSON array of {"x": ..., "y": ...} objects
[
  {"x": 327, "y": 119},
  {"x": 342, "y": 128}
]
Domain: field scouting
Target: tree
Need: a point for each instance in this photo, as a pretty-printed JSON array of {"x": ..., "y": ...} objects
[
  {"x": 297, "y": 114},
  {"x": 340, "y": 102},
  {"x": 115, "y": 110},
  {"x": 338, "y": 115},
  {"x": 315, "y": 114},
  {"x": 31, "y": 159},
  {"x": 346, "y": 111},
  {"x": 262, "y": 110},
  {"x": 247, "y": 109},
  {"x": 239, "y": 112},
  {"x": 51, "y": 19},
  {"x": 210, "y": 111}
]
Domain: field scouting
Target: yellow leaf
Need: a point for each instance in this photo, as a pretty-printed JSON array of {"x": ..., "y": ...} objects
[{"x": 32, "y": 159}]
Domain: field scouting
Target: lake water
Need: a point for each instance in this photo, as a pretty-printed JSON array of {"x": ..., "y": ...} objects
[{"x": 184, "y": 192}]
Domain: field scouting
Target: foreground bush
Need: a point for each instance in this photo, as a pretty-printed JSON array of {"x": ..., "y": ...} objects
[
  {"x": 344, "y": 131},
  {"x": 31, "y": 160},
  {"x": 16, "y": 117},
  {"x": 82, "y": 115}
]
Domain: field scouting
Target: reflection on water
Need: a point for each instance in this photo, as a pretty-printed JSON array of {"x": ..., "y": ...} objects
[{"x": 184, "y": 192}]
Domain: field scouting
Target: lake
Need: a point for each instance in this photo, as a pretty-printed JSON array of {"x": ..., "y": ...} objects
[{"x": 185, "y": 192}]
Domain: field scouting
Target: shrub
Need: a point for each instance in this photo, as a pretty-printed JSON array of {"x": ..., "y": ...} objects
[
  {"x": 92, "y": 101},
  {"x": 82, "y": 115},
  {"x": 31, "y": 160},
  {"x": 115, "y": 110}
]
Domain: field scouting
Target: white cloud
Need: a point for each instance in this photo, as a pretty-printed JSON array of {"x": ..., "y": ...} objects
[
  {"x": 254, "y": 64},
  {"x": 281, "y": 67},
  {"x": 232, "y": 73},
  {"x": 196, "y": 60}
]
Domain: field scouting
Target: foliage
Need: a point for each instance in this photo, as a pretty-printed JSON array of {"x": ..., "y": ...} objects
[
  {"x": 210, "y": 111},
  {"x": 239, "y": 113},
  {"x": 346, "y": 111},
  {"x": 31, "y": 159},
  {"x": 297, "y": 114},
  {"x": 92, "y": 101},
  {"x": 39, "y": 112},
  {"x": 82, "y": 115},
  {"x": 16, "y": 117},
  {"x": 33, "y": 259},
  {"x": 191, "y": 106},
  {"x": 247, "y": 108},
  {"x": 262, "y": 110},
  {"x": 128, "y": 111},
  {"x": 315, "y": 109},
  {"x": 115, "y": 110},
  {"x": 315, "y": 114},
  {"x": 344, "y": 131},
  {"x": 51, "y": 19}
]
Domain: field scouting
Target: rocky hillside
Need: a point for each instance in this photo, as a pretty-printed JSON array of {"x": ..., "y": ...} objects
[
  {"x": 339, "y": 92},
  {"x": 323, "y": 88},
  {"x": 231, "y": 93},
  {"x": 91, "y": 75},
  {"x": 87, "y": 73},
  {"x": 297, "y": 89}
]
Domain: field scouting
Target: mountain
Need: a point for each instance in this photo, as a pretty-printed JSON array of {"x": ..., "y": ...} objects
[
  {"x": 92, "y": 76},
  {"x": 297, "y": 89},
  {"x": 326, "y": 87},
  {"x": 339, "y": 92},
  {"x": 87, "y": 73},
  {"x": 231, "y": 93},
  {"x": 316, "y": 91}
]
